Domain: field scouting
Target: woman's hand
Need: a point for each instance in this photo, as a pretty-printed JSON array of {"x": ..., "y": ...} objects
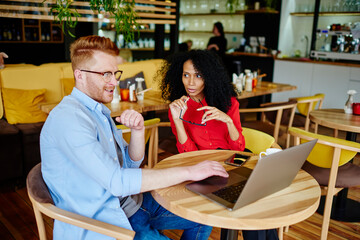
[
  {"x": 178, "y": 105},
  {"x": 211, "y": 46},
  {"x": 213, "y": 113}
]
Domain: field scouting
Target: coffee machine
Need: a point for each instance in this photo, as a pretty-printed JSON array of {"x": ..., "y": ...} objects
[{"x": 337, "y": 43}]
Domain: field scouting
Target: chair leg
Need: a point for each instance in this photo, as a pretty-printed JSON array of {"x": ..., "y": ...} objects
[
  {"x": 288, "y": 138},
  {"x": 40, "y": 223},
  {"x": 330, "y": 194}
]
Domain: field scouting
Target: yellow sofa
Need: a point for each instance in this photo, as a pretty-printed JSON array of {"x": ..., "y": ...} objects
[{"x": 25, "y": 88}]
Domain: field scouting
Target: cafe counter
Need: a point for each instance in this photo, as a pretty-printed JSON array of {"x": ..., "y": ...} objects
[{"x": 311, "y": 77}]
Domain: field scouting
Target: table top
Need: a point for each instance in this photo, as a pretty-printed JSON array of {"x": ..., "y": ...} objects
[
  {"x": 264, "y": 88},
  {"x": 288, "y": 206},
  {"x": 154, "y": 102},
  {"x": 336, "y": 119}
]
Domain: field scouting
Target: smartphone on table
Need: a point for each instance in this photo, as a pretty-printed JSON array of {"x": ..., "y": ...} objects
[{"x": 237, "y": 159}]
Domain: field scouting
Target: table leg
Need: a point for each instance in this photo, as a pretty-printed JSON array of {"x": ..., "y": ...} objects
[{"x": 229, "y": 234}]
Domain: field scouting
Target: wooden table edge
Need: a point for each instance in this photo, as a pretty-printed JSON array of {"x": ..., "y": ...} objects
[{"x": 270, "y": 223}]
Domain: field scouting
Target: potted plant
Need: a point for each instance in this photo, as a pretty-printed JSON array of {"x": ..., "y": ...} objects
[{"x": 122, "y": 11}]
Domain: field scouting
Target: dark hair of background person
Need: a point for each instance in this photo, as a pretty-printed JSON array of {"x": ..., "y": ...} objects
[
  {"x": 218, "y": 88},
  {"x": 220, "y": 28}
]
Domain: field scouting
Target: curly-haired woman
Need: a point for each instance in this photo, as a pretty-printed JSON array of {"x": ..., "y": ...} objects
[{"x": 204, "y": 111}]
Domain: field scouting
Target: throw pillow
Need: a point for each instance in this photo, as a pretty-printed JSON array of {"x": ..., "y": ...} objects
[
  {"x": 21, "y": 106},
  {"x": 123, "y": 83},
  {"x": 68, "y": 85}
]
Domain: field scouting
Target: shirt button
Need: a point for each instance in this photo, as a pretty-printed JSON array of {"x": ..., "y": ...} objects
[
  {"x": 111, "y": 139},
  {"x": 205, "y": 131},
  {"x": 210, "y": 144}
]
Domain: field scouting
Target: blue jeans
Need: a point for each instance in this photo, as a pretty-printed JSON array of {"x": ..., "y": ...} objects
[{"x": 151, "y": 217}]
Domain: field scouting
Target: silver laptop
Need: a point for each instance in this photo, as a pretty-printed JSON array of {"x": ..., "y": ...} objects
[{"x": 272, "y": 173}]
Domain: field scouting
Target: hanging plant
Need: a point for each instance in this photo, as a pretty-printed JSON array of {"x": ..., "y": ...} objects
[
  {"x": 122, "y": 11},
  {"x": 231, "y": 5}
]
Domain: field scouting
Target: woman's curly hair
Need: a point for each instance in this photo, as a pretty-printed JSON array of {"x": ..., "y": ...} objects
[{"x": 218, "y": 88}]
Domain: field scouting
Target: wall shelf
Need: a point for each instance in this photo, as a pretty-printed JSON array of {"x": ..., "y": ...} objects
[
  {"x": 311, "y": 14},
  {"x": 207, "y": 32},
  {"x": 243, "y": 12}
]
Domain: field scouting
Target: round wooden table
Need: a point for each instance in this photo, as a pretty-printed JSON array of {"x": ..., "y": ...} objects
[
  {"x": 288, "y": 206},
  {"x": 344, "y": 209},
  {"x": 337, "y": 119}
]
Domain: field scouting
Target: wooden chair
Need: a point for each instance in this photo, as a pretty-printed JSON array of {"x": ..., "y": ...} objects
[
  {"x": 304, "y": 106},
  {"x": 150, "y": 135},
  {"x": 43, "y": 204},
  {"x": 329, "y": 164},
  {"x": 272, "y": 116},
  {"x": 257, "y": 141}
]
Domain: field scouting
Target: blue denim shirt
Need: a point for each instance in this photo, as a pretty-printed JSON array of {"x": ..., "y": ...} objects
[{"x": 80, "y": 165}]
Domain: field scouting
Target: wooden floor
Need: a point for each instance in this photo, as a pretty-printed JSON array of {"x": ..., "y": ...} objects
[{"x": 17, "y": 220}]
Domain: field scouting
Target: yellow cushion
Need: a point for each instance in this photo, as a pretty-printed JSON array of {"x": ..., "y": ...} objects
[
  {"x": 29, "y": 78},
  {"x": 257, "y": 141},
  {"x": 149, "y": 122},
  {"x": 1, "y": 107},
  {"x": 322, "y": 155},
  {"x": 303, "y": 107},
  {"x": 21, "y": 106},
  {"x": 19, "y": 65},
  {"x": 67, "y": 85}
]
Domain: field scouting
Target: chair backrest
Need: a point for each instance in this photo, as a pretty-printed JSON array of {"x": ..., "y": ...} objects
[
  {"x": 257, "y": 141},
  {"x": 150, "y": 134},
  {"x": 306, "y": 104},
  {"x": 323, "y": 152},
  {"x": 43, "y": 204},
  {"x": 274, "y": 112},
  {"x": 329, "y": 152}
]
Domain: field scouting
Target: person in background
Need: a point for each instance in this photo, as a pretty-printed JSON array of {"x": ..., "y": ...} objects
[
  {"x": 218, "y": 43},
  {"x": 90, "y": 169},
  {"x": 185, "y": 46},
  {"x": 2, "y": 56},
  {"x": 204, "y": 111}
]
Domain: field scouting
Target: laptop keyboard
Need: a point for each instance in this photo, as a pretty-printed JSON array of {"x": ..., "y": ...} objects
[{"x": 230, "y": 193}]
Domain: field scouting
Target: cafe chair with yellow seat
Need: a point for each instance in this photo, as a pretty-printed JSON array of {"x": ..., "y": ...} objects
[
  {"x": 150, "y": 135},
  {"x": 43, "y": 205},
  {"x": 273, "y": 115},
  {"x": 329, "y": 164},
  {"x": 257, "y": 141},
  {"x": 304, "y": 106}
]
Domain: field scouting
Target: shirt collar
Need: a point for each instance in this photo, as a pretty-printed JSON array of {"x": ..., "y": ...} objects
[
  {"x": 89, "y": 102},
  {"x": 196, "y": 104}
]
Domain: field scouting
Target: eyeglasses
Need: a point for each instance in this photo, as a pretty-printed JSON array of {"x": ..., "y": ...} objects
[
  {"x": 198, "y": 124},
  {"x": 107, "y": 75}
]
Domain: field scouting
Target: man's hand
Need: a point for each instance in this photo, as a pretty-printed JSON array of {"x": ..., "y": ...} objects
[
  {"x": 162, "y": 178},
  {"x": 206, "y": 169},
  {"x": 131, "y": 119}
]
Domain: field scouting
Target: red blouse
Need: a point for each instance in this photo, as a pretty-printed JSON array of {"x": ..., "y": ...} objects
[{"x": 212, "y": 136}]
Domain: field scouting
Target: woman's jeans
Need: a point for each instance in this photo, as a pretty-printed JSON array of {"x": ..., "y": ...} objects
[{"x": 151, "y": 217}]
